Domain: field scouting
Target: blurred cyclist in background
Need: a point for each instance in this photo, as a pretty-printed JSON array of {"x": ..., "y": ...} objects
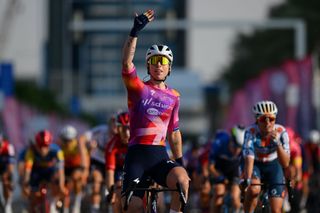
[
  {"x": 224, "y": 164},
  {"x": 7, "y": 163},
  {"x": 311, "y": 166},
  {"x": 266, "y": 152},
  {"x": 116, "y": 151},
  {"x": 96, "y": 140},
  {"x": 76, "y": 166},
  {"x": 293, "y": 172},
  {"x": 44, "y": 164},
  {"x": 205, "y": 187},
  {"x": 193, "y": 167}
]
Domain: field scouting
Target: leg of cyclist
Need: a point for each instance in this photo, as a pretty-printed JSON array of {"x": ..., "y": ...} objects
[
  {"x": 58, "y": 192},
  {"x": 219, "y": 190},
  {"x": 276, "y": 204},
  {"x": 177, "y": 175},
  {"x": 235, "y": 197},
  {"x": 135, "y": 205},
  {"x": 204, "y": 195},
  {"x": 97, "y": 180},
  {"x": 161, "y": 204},
  {"x": 78, "y": 187},
  {"x": 7, "y": 190},
  {"x": 117, "y": 208},
  {"x": 67, "y": 200},
  {"x": 252, "y": 195},
  {"x": 276, "y": 191}
]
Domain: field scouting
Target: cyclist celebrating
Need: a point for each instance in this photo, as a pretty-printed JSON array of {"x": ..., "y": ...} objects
[
  {"x": 76, "y": 165},
  {"x": 224, "y": 167},
  {"x": 266, "y": 152},
  {"x": 44, "y": 164},
  {"x": 116, "y": 150},
  {"x": 153, "y": 108},
  {"x": 7, "y": 163}
]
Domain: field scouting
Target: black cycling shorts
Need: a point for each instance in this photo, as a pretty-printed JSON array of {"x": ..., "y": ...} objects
[{"x": 146, "y": 161}]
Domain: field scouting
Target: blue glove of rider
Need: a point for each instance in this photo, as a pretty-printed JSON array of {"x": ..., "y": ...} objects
[{"x": 140, "y": 22}]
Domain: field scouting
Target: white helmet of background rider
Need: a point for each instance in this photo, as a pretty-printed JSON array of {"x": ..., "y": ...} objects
[
  {"x": 237, "y": 133},
  {"x": 68, "y": 132},
  {"x": 265, "y": 108},
  {"x": 314, "y": 136}
]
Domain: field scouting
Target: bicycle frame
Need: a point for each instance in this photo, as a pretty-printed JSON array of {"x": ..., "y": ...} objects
[{"x": 41, "y": 203}]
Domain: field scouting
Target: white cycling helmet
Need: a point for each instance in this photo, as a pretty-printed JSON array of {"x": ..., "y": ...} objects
[
  {"x": 68, "y": 132},
  {"x": 237, "y": 133},
  {"x": 264, "y": 107},
  {"x": 159, "y": 49},
  {"x": 314, "y": 136}
]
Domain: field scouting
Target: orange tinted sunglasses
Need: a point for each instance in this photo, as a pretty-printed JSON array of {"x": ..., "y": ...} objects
[{"x": 266, "y": 118}]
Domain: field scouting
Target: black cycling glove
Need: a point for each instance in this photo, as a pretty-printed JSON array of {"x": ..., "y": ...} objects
[
  {"x": 245, "y": 183},
  {"x": 140, "y": 22},
  {"x": 110, "y": 194}
]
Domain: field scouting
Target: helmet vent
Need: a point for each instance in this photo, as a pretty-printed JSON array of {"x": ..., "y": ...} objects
[
  {"x": 160, "y": 47},
  {"x": 259, "y": 108}
]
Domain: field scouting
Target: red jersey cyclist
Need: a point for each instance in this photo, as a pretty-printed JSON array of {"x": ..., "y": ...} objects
[
  {"x": 7, "y": 163},
  {"x": 266, "y": 152},
  {"x": 116, "y": 151},
  {"x": 153, "y": 108}
]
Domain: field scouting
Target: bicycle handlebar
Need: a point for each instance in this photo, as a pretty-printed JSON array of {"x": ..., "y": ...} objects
[{"x": 133, "y": 187}]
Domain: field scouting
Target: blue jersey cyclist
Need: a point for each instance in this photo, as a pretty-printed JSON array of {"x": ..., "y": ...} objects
[
  {"x": 224, "y": 161},
  {"x": 266, "y": 152},
  {"x": 44, "y": 164}
]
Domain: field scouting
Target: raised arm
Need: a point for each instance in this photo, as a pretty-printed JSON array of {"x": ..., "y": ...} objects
[
  {"x": 128, "y": 53},
  {"x": 140, "y": 21}
]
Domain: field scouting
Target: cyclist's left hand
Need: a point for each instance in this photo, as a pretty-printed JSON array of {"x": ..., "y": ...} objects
[
  {"x": 26, "y": 190},
  {"x": 110, "y": 196},
  {"x": 64, "y": 191},
  {"x": 275, "y": 137},
  {"x": 244, "y": 184},
  {"x": 140, "y": 21}
]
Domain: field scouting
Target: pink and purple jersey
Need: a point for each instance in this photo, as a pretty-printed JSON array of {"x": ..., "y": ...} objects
[{"x": 153, "y": 111}]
